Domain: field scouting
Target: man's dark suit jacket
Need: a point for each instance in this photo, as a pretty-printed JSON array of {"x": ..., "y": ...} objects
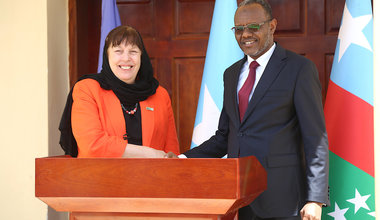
[{"x": 283, "y": 127}]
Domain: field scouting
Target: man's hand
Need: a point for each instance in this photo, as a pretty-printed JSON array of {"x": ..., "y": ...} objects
[
  {"x": 170, "y": 155},
  {"x": 311, "y": 211}
]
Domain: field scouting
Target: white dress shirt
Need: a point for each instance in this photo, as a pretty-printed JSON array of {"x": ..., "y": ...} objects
[{"x": 262, "y": 61}]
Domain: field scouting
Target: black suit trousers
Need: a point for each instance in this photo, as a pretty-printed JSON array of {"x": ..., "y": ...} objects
[{"x": 246, "y": 213}]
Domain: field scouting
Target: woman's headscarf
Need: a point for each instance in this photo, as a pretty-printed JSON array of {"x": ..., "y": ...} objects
[
  {"x": 129, "y": 94},
  {"x": 145, "y": 84}
]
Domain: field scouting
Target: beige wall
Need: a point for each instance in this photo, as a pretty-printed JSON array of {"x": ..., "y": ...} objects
[
  {"x": 34, "y": 72},
  {"x": 58, "y": 80}
]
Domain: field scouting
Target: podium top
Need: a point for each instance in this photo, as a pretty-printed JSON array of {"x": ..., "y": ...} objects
[{"x": 196, "y": 178}]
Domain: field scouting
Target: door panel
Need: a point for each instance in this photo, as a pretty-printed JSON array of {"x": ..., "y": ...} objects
[{"x": 175, "y": 33}]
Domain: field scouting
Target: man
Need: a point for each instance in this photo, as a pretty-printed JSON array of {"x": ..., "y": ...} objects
[{"x": 283, "y": 124}]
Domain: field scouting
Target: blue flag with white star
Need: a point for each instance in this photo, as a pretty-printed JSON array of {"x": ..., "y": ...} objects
[
  {"x": 222, "y": 51},
  {"x": 349, "y": 117},
  {"x": 110, "y": 20}
]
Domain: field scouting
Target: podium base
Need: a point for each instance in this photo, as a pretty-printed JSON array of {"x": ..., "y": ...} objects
[{"x": 148, "y": 216}]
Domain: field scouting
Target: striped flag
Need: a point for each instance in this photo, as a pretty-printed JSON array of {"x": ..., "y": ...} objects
[
  {"x": 110, "y": 20},
  {"x": 222, "y": 51},
  {"x": 349, "y": 117}
]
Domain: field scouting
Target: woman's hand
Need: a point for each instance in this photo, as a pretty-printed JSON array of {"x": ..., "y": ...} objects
[{"x": 136, "y": 151}]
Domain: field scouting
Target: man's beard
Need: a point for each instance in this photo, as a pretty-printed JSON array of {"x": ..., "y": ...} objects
[{"x": 265, "y": 46}]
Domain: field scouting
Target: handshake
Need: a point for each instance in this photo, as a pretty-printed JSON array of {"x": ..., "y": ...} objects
[{"x": 170, "y": 155}]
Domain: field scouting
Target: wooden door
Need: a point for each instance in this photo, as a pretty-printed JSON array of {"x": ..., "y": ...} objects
[{"x": 175, "y": 33}]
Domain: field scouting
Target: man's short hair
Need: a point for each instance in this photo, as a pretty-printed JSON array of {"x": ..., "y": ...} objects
[{"x": 263, "y": 3}]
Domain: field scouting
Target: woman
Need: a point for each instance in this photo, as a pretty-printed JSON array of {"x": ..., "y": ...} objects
[{"x": 122, "y": 111}]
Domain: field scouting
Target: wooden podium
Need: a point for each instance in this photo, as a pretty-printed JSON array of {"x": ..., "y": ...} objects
[{"x": 148, "y": 188}]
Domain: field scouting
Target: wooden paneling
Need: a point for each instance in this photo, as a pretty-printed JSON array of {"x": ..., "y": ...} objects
[
  {"x": 175, "y": 33},
  {"x": 199, "y": 24},
  {"x": 186, "y": 87},
  {"x": 84, "y": 35},
  {"x": 290, "y": 15},
  {"x": 130, "y": 14},
  {"x": 334, "y": 12}
]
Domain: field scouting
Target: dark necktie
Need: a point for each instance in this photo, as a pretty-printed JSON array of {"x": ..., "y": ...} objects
[{"x": 247, "y": 88}]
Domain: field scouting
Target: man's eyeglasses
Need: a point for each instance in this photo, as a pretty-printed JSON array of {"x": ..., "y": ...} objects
[{"x": 254, "y": 27}]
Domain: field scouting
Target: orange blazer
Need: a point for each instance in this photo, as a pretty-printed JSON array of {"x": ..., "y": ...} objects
[{"x": 98, "y": 122}]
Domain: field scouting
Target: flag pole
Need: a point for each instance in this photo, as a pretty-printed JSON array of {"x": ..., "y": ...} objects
[{"x": 376, "y": 77}]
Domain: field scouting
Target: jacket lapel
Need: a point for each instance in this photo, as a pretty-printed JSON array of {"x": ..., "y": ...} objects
[
  {"x": 273, "y": 68},
  {"x": 231, "y": 95}
]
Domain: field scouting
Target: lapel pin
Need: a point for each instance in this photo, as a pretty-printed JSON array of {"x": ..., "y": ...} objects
[{"x": 149, "y": 108}]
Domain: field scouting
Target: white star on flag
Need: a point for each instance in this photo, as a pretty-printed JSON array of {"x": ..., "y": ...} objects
[
  {"x": 338, "y": 214},
  {"x": 351, "y": 32},
  {"x": 359, "y": 201},
  {"x": 205, "y": 129},
  {"x": 372, "y": 214}
]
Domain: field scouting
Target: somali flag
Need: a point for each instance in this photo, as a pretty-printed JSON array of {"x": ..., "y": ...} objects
[
  {"x": 349, "y": 117},
  {"x": 222, "y": 51},
  {"x": 110, "y": 20}
]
